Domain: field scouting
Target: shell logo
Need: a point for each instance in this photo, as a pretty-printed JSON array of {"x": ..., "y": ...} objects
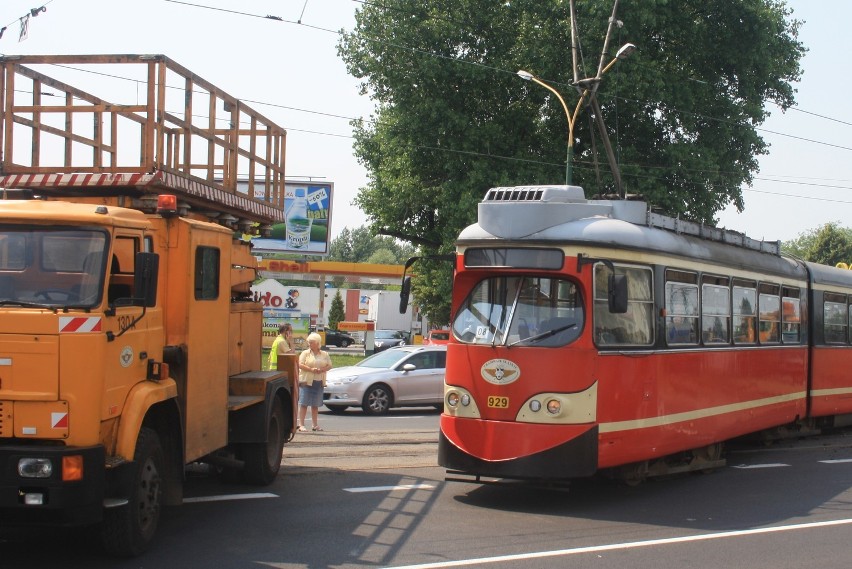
[{"x": 500, "y": 372}]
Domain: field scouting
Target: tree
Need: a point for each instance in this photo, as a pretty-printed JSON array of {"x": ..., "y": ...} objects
[
  {"x": 336, "y": 313},
  {"x": 453, "y": 119},
  {"x": 361, "y": 245},
  {"x": 828, "y": 244}
]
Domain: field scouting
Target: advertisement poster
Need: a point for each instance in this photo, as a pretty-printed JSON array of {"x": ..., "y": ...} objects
[
  {"x": 281, "y": 304},
  {"x": 307, "y": 214}
]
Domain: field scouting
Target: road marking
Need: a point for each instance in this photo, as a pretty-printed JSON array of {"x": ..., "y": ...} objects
[
  {"x": 390, "y": 488},
  {"x": 227, "y": 497},
  {"x": 836, "y": 461},
  {"x": 753, "y": 466},
  {"x": 622, "y": 546}
]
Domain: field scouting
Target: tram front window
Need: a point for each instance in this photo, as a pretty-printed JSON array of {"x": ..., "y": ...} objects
[{"x": 521, "y": 311}]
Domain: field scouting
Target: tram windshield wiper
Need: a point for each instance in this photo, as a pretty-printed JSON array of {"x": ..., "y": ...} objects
[{"x": 543, "y": 335}]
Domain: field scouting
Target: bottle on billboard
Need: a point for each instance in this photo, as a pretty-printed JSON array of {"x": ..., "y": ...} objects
[{"x": 297, "y": 221}]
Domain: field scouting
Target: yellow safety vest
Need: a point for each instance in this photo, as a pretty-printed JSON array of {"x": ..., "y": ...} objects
[{"x": 273, "y": 353}]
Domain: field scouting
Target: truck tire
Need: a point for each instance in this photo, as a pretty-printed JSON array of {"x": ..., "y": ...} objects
[
  {"x": 263, "y": 460},
  {"x": 129, "y": 529}
]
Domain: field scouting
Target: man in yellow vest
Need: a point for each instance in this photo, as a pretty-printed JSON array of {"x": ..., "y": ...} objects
[{"x": 283, "y": 344}]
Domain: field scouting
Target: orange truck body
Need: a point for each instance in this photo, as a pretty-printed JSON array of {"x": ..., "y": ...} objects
[{"x": 130, "y": 345}]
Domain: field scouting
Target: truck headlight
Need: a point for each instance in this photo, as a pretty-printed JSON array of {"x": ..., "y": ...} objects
[{"x": 35, "y": 468}]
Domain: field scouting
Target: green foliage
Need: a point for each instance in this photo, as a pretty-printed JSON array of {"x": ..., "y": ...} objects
[
  {"x": 828, "y": 244},
  {"x": 361, "y": 245},
  {"x": 336, "y": 313},
  {"x": 453, "y": 119}
]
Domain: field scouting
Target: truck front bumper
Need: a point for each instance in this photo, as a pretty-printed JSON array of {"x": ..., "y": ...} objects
[{"x": 50, "y": 500}]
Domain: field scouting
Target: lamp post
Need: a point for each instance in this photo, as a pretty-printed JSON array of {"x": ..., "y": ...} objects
[
  {"x": 588, "y": 86},
  {"x": 527, "y": 76}
]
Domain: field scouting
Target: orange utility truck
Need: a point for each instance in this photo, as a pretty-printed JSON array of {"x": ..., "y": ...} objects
[{"x": 130, "y": 345}]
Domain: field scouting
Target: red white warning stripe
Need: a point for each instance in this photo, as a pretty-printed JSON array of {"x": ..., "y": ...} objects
[
  {"x": 261, "y": 207},
  {"x": 59, "y": 420},
  {"x": 79, "y": 324},
  {"x": 75, "y": 180}
]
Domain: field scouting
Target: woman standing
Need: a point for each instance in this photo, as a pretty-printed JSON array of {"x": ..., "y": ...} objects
[{"x": 313, "y": 363}]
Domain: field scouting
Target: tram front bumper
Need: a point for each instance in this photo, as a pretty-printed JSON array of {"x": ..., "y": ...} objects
[{"x": 518, "y": 450}]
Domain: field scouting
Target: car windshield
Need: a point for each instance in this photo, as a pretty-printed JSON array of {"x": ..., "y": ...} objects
[
  {"x": 440, "y": 335},
  {"x": 521, "y": 310},
  {"x": 385, "y": 360},
  {"x": 387, "y": 334},
  {"x": 55, "y": 267}
]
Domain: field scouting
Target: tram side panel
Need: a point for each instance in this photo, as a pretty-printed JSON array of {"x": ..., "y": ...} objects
[{"x": 663, "y": 402}]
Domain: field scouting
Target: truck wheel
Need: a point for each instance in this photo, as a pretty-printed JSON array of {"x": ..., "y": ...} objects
[
  {"x": 263, "y": 460},
  {"x": 128, "y": 530}
]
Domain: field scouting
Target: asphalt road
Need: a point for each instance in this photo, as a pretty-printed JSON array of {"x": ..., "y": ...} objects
[{"x": 375, "y": 498}]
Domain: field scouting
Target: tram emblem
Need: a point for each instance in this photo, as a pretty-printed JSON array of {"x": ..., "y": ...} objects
[{"x": 500, "y": 371}]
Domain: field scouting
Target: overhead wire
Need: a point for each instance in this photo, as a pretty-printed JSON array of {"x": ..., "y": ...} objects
[{"x": 487, "y": 67}]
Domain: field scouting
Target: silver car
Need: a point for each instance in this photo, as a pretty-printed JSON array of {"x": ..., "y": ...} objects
[{"x": 398, "y": 377}]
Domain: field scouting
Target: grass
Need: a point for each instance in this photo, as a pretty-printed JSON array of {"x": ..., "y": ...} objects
[
  {"x": 337, "y": 360},
  {"x": 342, "y": 360}
]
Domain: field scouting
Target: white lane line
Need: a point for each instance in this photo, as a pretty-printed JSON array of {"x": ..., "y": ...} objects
[
  {"x": 753, "y": 466},
  {"x": 390, "y": 488},
  {"x": 227, "y": 497},
  {"x": 622, "y": 546},
  {"x": 836, "y": 461}
]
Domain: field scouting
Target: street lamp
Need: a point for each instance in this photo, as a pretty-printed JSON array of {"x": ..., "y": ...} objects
[
  {"x": 527, "y": 76},
  {"x": 588, "y": 85}
]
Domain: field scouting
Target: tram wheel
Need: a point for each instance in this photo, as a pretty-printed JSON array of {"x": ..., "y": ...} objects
[
  {"x": 708, "y": 454},
  {"x": 634, "y": 474}
]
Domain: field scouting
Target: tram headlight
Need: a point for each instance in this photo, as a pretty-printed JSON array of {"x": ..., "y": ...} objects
[
  {"x": 535, "y": 405},
  {"x": 453, "y": 399},
  {"x": 554, "y": 406}
]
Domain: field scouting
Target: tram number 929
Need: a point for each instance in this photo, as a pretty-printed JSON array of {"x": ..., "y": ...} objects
[{"x": 498, "y": 402}]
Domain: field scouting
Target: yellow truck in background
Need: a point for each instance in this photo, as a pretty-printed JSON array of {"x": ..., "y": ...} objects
[{"x": 130, "y": 345}]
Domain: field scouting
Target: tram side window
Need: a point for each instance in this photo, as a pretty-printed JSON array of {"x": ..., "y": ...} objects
[
  {"x": 681, "y": 307},
  {"x": 636, "y": 326},
  {"x": 835, "y": 318},
  {"x": 769, "y": 312},
  {"x": 715, "y": 310},
  {"x": 791, "y": 316},
  {"x": 744, "y": 302}
]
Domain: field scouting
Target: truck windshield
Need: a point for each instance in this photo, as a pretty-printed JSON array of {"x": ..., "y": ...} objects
[
  {"x": 521, "y": 311},
  {"x": 52, "y": 267}
]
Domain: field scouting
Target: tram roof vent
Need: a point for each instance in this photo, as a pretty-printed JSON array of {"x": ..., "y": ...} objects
[{"x": 557, "y": 194}]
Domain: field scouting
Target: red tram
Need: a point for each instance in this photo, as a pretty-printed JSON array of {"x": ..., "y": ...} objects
[{"x": 595, "y": 335}]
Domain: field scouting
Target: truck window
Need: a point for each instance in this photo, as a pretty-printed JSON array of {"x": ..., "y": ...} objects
[{"x": 206, "y": 273}]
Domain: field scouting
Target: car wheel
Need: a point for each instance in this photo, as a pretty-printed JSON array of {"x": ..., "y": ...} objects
[
  {"x": 344, "y": 343},
  {"x": 336, "y": 409},
  {"x": 377, "y": 400}
]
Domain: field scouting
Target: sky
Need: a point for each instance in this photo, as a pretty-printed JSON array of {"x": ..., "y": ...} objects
[{"x": 291, "y": 73}]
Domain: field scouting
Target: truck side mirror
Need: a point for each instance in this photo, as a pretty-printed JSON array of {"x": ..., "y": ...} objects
[
  {"x": 145, "y": 279},
  {"x": 617, "y": 293},
  {"x": 404, "y": 293}
]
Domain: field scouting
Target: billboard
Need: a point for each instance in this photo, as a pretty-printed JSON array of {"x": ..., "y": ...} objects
[{"x": 307, "y": 214}]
